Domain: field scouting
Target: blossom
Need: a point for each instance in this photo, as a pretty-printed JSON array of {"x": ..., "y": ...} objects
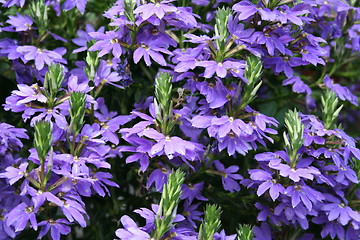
[
  {"x": 305, "y": 194},
  {"x": 247, "y": 9},
  {"x": 39, "y": 197},
  {"x": 192, "y": 191},
  {"x": 298, "y": 85},
  {"x": 84, "y": 37},
  {"x": 20, "y": 215},
  {"x": 104, "y": 75},
  {"x": 268, "y": 183},
  {"x": 14, "y": 174},
  {"x": 41, "y": 56},
  {"x": 170, "y": 146},
  {"x": 229, "y": 176},
  {"x": 20, "y": 23},
  {"x": 57, "y": 228},
  {"x": 342, "y": 92},
  {"x": 108, "y": 42},
  {"x": 10, "y": 137},
  {"x": 157, "y": 9},
  {"x": 147, "y": 51},
  {"x": 214, "y": 92},
  {"x": 131, "y": 230},
  {"x": 74, "y": 211},
  {"x": 158, "y": 177},
  {"x": 70, "y": 4},
  {"x": 285, "y": 14},
  {"x": 191, "y": 213},
  {"x": 296, "y": 174},
  {"x": 221, "y": 68},
  {"x": 339, "y": 210}
]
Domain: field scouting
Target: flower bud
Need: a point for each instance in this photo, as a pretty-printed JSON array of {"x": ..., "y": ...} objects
[
  {"x": 330, "y": 109},
  {"x": 245, "y": 232},
  {"x": 168, "y": 204},
  {"x": 53, "y": 79},
  {"x": 211, "y": 222},
  {"x": 77, "y": 111},
  {"x": 40, "y": 15},
  {"x": 294, "y": 138},
  {"x": 42, "y": 139}
]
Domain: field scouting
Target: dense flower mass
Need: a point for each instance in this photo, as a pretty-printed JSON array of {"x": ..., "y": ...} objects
[{"x": 179, "y": 119}]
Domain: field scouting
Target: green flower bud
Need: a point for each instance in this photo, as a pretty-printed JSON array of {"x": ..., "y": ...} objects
[
  {"x": 163, "y": 102},
  {"x": 330, "y": 109},
  {"x": 42, "y": 139},
  {"x": 245, "y": 232},
  {"x": 92, "y": 62},
  {"x": 38, "y": 12},
  {"x": 252, "y": 73},
  {"x": 294, "y": 138},
  {"x": 168, "y": 204},
  {"x": 211, "y": 222},
  {"x": 129, "y": 6},
  {"x": 77, "y": 111},
  {"x": 221, "y": 29},
  {"x": 53, "y": 80}
]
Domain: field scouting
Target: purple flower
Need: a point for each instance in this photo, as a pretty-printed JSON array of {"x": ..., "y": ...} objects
[
  {"x": 192, "y": 191},
  {"x": 84, "y": 37},
  {"x": 70, "y": 4},
  {"x": 20, "y": 215},
  {"x": 229, "y": 176},
  {"x": 222, "y": 236},
  {"x": 297, "y": 173},
  {"x": 221, "y": 68},
  {"x": 284, "y": 64},
  {"x": 108, "y": 42},
  {"x": 39, "y": 197},
  {"x": 147, "y": 51},
  {"x": 305, "y": 194},
  {"x": 313, "y": 55},
  {"x": 109, "y": 122},
  {"x": 170, "y": 146},
  {"x": 105, "y": 75},
  {"x": 286, "y": 14},
  {"x": 226, "y": 124},
  {"x": 149, "y": 216},
  {"x": 131, "y": 230},
  {"x": 263, "y": 232},
  {"x": 268, "y": 183},
  {"x": 20, "y": 23},
  {"x": 41, "y": 56},
  {"x": 215, "y": 93},
  {"x": 183, "y": 18},
  {"x": 74, "y": 211},
  {"x": 339, "y": 210},
  {"x": 298, "y": 85},
  {"x": 234, "y": 144},
  {"x": 191, "y": 213},
  {"x": 75, "y": 86},
  {"x": 158, "y": 9},
  {"x": 159, "y": 178},
  {"x": 100, "y": 181},
  {"x": 10, "y": 3},
  {"x": 247, "y": 9},
  {"x": 27, "y": 94},
  {"x": 9, "y": 137},
  {"x": 141, "y": 149},
  {"x": 57, "y": 228},
  {"x": 14, "y": 174},
  {"x": 49, "y": 115},
  {"x": 342, "y": 92}
]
